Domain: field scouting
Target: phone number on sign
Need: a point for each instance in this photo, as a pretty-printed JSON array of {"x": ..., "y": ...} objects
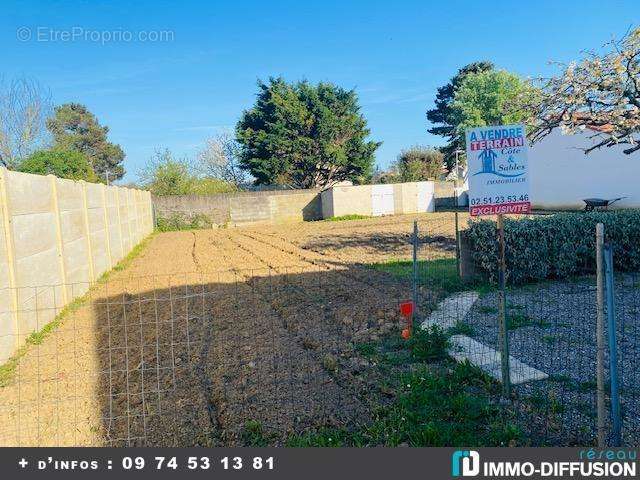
[
  {"x": 141, "y": 463},
  {"x": 200, "y": 463},
  {"x": 498, "y": 199}
]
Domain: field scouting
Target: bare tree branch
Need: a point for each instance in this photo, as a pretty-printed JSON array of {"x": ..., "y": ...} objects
[
  {"x": 219, "y": 159},
  {"x": 24, "y": 107},
  {"x": 600, "y": 93}
]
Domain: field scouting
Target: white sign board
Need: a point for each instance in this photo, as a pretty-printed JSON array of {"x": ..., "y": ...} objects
[{"x": 498, "y": 170}]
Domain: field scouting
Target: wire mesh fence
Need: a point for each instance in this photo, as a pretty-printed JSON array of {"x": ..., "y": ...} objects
[
  {"x": 194, "y": 359},
  {"x": 551, "y": 339},
  {"x": 256, "y": 356}
]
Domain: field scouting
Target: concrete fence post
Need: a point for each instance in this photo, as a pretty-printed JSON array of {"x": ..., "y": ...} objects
[
  {"x": 87, "y": 230},
  {"x": 128, "y": 204},
  {"x": 136, "y": 198},
  {"x": 11, "y": 265},
  {"x": 119, "y": 221},
  {"x": 107, "y": 232},
  {"x": 60, "y": 246}
]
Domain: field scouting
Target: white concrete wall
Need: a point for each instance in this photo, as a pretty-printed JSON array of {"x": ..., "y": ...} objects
[
  {"x": 562, "y": 175},
  {"x": 56, "y": 238},
  {"x": 399, "y": 198}
]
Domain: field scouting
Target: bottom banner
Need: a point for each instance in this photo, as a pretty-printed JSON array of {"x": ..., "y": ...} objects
[{"x": 283, "y": 463}]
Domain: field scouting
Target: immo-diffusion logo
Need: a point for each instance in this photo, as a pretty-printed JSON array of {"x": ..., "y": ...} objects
[{"x": 465, "y": 463}]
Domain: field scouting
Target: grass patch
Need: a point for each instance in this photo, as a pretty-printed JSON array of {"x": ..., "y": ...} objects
[
  {"x": 436, "y": 402},
  {"x": 520, "y": 320},
  {"x": 449, "y": 407},
  {"x": 253, "y": 435},
  {"x": 342, "y": 218},
  {"x": 441, "y": 273},
  {"x": 366, "y": 349},
  {"x": 461, "y": 328},
  {"x": 8, "y": 369},
  {"x": 545, "y": 402},
  {"x": 428, "y": 344}
]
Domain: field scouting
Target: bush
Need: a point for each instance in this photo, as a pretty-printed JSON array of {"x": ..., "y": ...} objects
[
  {"x": 165, "y": 175},
  {"x": 180, "y": 221},
  {"x": 555, "y": 246},
  {"x": 69, "y": 164},
  {"x": 420, "y": 163}
]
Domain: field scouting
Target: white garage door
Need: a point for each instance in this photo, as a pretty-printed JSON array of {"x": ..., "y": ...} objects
[{"x": 382, "y": 200}]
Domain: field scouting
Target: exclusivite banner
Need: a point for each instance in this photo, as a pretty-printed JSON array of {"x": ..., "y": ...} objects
[{"x": 498, "y": 170}]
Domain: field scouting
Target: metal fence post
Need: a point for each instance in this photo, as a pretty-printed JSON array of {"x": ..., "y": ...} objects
[
  {"x": 600, "y": 335},
  {"x": 457, "y": 244},
  {"x": 415, "y": 265},
  {"x": 616, "y": 434}
]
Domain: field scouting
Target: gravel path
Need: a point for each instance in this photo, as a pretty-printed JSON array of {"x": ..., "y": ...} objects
[{"x": 553, "y": 330}]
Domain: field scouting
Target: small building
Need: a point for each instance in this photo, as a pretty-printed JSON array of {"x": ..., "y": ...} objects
[
  {"x": 376, "y": 200},
  {"x": 562, "y": 175}
]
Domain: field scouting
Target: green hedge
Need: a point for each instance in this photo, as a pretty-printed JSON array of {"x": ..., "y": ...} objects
[{"x": 555, "y": 246}]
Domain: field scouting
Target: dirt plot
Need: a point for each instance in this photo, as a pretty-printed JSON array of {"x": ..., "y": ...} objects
[
  {"x": 208, "y": 332},
  {"x": 375, "y": 240}
]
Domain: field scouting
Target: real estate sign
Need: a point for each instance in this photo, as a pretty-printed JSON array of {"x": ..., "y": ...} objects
[{"x": 498, "y": 170}]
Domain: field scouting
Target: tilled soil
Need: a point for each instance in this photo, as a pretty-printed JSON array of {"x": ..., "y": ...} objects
[{"x": 211, "y": 335}]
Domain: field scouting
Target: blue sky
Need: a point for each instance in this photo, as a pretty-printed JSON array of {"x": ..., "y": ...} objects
[{"x": 176, "y": 91}]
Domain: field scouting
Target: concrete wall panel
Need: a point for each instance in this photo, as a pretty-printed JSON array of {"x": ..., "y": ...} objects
[
  {"x": 33, "y": 233},
  {"x": 124, "y": 220},
  {"x": 355, "y": 200},
  {"x": 28, "y": 193},
  {"x": 100, "y": 253},
  {"x": 247, "y": 209},
  {"x": 56, "y": 237},
  {"x": 8, "y": 320}
]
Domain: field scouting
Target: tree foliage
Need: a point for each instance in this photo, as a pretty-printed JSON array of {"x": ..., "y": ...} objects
[
  {"x": 419, "y": 163},
  {"x": 167, "y": 175},
  {"x": 305, "y": 136},
  {"x": 601, "y": 92},
  {"x": 442, "y": 118},
  {"x": 61, "y": 163},
  {"x": 494, "y": 97},
  {"x": 74, "y": 127},
  {"x": 24, "y": 106}
]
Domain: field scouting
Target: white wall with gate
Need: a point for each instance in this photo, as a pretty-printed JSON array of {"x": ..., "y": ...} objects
[
  {"x": 382, "y": 197},
  {"x": 377, "y": 200}
]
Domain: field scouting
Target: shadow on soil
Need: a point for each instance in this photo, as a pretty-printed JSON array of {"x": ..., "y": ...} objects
[
  {"x": 197, "y": 361},
  {"x": 382, "y": 244}
]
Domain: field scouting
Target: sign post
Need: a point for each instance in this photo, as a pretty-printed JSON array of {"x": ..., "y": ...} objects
[
  {"x": 502, "y": 312},
  {"x": 499, "y": 185}
]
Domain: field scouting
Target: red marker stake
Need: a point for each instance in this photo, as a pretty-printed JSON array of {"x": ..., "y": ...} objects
[{"x": 406, "y": 310}]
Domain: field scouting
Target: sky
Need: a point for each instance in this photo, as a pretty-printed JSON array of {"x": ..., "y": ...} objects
[{"x": 165, "y": 74}]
